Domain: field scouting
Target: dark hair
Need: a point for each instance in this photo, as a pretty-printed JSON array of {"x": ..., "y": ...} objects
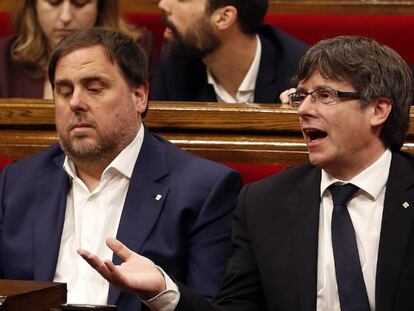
[
  {"x": 250, "y": 13},
  {"x": 121, "y": 49},
  {"x": 374, "y": 70}
]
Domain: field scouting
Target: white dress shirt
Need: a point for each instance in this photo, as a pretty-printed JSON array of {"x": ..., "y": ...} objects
[
  {"x": 365, "y": 210},
  {"x": 245, "y": 92},
  {"x": 90, "y": 218}
]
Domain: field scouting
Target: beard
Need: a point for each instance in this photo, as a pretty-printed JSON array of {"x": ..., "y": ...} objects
[
  {"x": 196, "y": 43},
  {"x": 83, "y": 148}
]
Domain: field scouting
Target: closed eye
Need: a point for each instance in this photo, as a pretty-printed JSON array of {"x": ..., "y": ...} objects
[
  {"x": 64, "y": 91},
  {"x": 95, "y": 90}
]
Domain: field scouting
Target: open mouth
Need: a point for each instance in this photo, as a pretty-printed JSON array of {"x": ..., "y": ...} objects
[{"x": 314, "y": 135}]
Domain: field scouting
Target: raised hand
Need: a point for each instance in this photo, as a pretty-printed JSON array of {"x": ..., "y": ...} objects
[
  {"x": 137, "y": 274},
  {"x": 284, "y": 97}
]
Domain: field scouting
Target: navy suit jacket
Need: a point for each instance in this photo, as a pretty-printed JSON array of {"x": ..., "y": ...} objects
[
  {"x": 186, "y": 232},
  {"x": 186, "y": 80},
  {"x": 275, "y": 236}
]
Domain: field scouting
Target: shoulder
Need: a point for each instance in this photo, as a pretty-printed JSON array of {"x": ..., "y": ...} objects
[
  {"x": 5, "y": 56},
  {"x": 282, "y": 183},
  {"x": 401, "y": 163},
  {"x": 178, "y": 79},
  {"x": 6, "y": 42},
  {"x": 185, "y": 162},
  {"x": 176, "y": 72},
  {"x": 289, "y": 46},
  {"x": 50, "y": 158},
  {"x": 282, "y": 38}
]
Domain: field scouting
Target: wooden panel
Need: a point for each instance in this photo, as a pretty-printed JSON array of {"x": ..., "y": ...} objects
[
  {"x": 16, "y": 295},
  {"x": 244, "y": 133}
]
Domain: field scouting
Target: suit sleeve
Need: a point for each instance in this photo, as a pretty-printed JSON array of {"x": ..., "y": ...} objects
[
  {"x": 2, "y": 193},
  {"x": 241, "y": 289}
]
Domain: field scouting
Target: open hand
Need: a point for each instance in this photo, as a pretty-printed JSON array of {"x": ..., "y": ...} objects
[{"x": 136, "y": 274}]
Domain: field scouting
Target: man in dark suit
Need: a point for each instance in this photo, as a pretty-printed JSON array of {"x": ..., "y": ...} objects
[
  {"x": 110, "y": 176},
  {"x": 219, "y": 50},
  {"x": 334, "y": 234}
]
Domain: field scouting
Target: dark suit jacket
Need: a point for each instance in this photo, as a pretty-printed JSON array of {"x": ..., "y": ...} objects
[
  {"x": 186, "y": 232},
  {"x": 186, "y": 80},
  {"x": 275, "y": 236}
]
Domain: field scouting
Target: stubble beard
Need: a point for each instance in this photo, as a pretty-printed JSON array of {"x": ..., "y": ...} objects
[
  {"x": 85, "y": 149},
  {"x": 186, "y": 46}
]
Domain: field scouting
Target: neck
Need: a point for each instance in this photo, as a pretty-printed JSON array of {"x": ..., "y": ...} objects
[
  {"x": 353, "y": 167},
  {"x": 90, "y": 172},
  {"x": 230, "y": 63}
]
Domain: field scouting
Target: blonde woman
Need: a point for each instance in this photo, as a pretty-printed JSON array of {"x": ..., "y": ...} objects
[{"x": 39, "y": 26}]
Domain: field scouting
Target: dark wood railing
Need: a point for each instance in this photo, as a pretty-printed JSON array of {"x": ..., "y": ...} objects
[{"x": 243, "y": 133}]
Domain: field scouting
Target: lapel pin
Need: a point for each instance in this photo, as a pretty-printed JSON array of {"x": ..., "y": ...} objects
[
  {"x": 405, "y": 205},
  {"x": 159, "y": 196}
]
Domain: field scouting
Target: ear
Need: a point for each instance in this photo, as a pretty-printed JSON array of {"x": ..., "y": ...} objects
[
  {"x": 381, "y": 108},
  {"x": 140, "y": 97},
  {"x": 224, "y": 17}
]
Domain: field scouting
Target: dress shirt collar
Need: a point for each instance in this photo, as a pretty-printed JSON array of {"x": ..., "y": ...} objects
[
  {"x": 371, "y": 180},
  {"x": 123, "y": 163},
  {"x": 249, "y": 82}
]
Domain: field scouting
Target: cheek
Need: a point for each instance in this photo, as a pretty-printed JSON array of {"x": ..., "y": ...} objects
[
  {"x": 87, "y": 20},
  {"x": 46, "y": 21},
  {"x": 61, "y": 119},
  {"x": 87, "y": 17}
]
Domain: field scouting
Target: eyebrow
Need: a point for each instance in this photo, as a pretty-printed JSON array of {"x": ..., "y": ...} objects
[
  {"x": 62, "y": 82},
  {"x": 92, "y": 79},
  {"x": 318, "y": 87},
  {"x": 83, "y": 81}
]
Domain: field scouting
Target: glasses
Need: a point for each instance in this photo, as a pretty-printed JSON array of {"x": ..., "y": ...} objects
[{"x": 326, "y": 96}]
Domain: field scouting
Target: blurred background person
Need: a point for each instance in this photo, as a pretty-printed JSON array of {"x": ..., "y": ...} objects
[
  {"x": 39, "y": 26},
  {"x": 222, "y": 51}
]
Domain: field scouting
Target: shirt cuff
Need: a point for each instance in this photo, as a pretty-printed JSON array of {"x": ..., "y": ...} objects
[{"x": 166, "y": 300}]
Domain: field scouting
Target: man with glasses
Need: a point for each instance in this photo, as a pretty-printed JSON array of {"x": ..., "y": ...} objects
[{"x": 334, "y": 234}]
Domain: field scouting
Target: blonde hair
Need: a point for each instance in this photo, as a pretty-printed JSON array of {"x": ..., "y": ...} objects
[{"x": 31, "y": 51}]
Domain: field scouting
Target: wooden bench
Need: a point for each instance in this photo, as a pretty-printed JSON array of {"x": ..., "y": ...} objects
[
  {"x": 257, "y": 139},
  {"x": 248, "y": 133}
]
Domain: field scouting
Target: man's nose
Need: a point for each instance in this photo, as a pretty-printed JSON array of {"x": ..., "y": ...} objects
[
  {"x": 77, "y": 101},
  {"x": 165, "y": 6},
  {"x": 307, "y": 107}
]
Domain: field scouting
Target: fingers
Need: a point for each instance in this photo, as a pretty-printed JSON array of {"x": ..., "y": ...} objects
[
  {"x": 284, "y": 97},
  {"x": 105, "y": 268},
  {"x": 136, "y": 274},
  {"x": 95, "y": 262},
  {"x": 119, "y": 248}
]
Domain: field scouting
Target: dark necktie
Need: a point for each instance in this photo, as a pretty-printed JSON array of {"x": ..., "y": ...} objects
[{"x": 351, "y": 287}]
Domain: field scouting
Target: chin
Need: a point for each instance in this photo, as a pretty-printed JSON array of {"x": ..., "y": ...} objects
[{"x": 318, "y": 160}]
